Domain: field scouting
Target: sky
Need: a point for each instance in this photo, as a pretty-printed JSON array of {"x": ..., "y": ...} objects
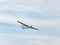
[{"x": 42, "y": 14}]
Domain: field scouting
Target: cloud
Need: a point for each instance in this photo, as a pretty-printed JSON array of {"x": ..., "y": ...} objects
[
  {"x": 45, "y": 6},
  {"x": 26, "y": 39},
  {"x": 7, "y": 19}
]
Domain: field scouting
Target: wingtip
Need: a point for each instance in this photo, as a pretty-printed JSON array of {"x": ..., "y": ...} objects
[{"x": 37, "y": 29}]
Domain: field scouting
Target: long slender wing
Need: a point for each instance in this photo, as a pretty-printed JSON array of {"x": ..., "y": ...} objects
[
  {"x": 34, "y": 28},
  {"x": 22, "y": 23},
  {"x": 27, "y": 25}
]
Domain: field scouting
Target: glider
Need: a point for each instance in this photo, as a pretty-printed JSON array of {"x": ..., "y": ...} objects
[{"x": 26, "y": 26}]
